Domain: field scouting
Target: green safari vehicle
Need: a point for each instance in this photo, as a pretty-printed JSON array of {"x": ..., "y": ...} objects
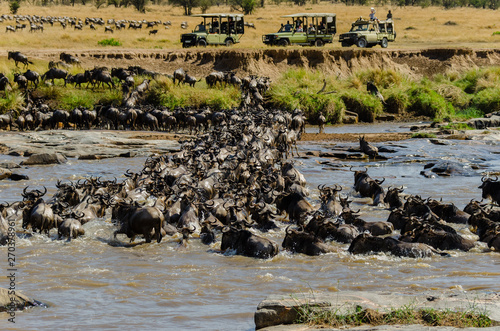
[
  {"x": 215, "y": 29},
  {"x": 305, "y": 29}
]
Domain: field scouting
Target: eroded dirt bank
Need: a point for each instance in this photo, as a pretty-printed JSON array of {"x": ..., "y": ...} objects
[{"x": 273, "y": 61}]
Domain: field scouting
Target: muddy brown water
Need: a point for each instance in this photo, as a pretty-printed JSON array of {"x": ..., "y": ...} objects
[{"x": 92, "y": 282}]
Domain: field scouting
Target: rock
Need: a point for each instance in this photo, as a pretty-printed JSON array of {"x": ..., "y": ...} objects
[
  {"x": 45, "y": 158},
  {"x": 448, "y": 168},
  {"x": 15, "y": 301},
  {"x": 439, "y": 141},
  {"x": 5, "y": 173},
  {"x": 281, "y": 309},
  {"x": 483, "y": 123},
  {"x": 9, "y": 165}
]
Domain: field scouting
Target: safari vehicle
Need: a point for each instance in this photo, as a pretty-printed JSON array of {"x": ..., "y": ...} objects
[
  {"x": 365, "y": 33},
  {"x": 215, "y": 29},
  {"x": 306, "y": 29}
]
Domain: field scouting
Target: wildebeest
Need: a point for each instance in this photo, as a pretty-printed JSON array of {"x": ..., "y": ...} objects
[
  {"x": 32, "y": 76},
  {"x": 247, "y": 244},
  {"x": 107, "y": 28},
  {"x": 134, "y": 220},
  {"x": 70, "y": 228},
  {"x": 369, "y": 187},
  {"x": 372, "y": 89},
  {"x": 153, "y": 31},
  {"x": 367, "y": 148},
  {"x": 305, "y": 243},
  {"x": 366, "y": 244},
  {"x": 55, "y": 73},
  {"x": 491, "y": 189},
  {"x": 19, "y": 57},
  {"x": 179, "y": 75},
  {"x": 70, "y": 59}
]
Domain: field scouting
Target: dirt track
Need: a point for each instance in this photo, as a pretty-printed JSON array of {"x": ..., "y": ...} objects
[{"x": 272, "y": 62}]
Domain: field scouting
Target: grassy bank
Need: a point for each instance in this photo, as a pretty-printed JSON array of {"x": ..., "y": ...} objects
[
  {"x": 404, "y": 315},
  {"x": 442, "y": 98},
  {"x": 454, "y": 96}
]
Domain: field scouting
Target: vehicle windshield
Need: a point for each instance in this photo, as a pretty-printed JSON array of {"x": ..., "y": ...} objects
[
  {"x": 359, "y": 27},
  {"x": 200, "y": 28}
]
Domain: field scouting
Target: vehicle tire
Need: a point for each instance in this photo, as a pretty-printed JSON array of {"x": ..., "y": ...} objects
[
  {"x": 283, "y": 42},
  {"x": 384, "y": 43},
  {"x": 202, "y": 43},
  {"x": 318, "y": 43},
  {"x": 229, "y": 42},
  {"x": 361, "y": 43}
]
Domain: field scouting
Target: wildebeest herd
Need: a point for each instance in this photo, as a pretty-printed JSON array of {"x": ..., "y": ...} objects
[
  {"x": 37, "y": 23},
  {"x": 131, "y": 113},
  {"x": 235, "y": 181}
]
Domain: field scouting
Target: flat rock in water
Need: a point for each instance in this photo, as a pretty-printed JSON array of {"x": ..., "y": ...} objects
[
  {"x": 448, "y": 168},
  {"x": 9, "y": 165},
  {"x": 5, "y": 173},
  {"x": 45, "y": 158}
]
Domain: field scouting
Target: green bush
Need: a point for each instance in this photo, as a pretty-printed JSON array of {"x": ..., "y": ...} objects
[
  {"x": 11, "y": 100},
  {"x": 109, "y": 42},
  {"x": 426, "y": 102},
  {"x": 365, "y": 105},
  {"x": 396, "y": 102},
  {"x": 162, "y": 92},
  {"x": 487, "y": 100}
]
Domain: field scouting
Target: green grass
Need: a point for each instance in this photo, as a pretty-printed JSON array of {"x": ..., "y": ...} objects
[
  {"x": 496, "y": 33},
  {"x": 109, "y": 42},
  {"x": 163, "y": 92},
  {"x": 405, "y": 315},
  {"x": 11, "y": 100}
]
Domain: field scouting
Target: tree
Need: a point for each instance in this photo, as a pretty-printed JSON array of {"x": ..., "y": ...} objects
[
  {"x": 14, "y": 7},
  {"x": 246, "y": 6},
  {"x": 205, "y": 4},
  {"x": 140, "y": 5},
  {"x": 188, "y": 5}
]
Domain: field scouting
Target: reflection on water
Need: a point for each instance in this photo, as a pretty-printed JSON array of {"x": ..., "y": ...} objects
[{"x": 88, "y": 282}]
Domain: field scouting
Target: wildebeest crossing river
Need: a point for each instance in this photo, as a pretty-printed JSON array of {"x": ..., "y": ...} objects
[{"x": 94, "y": 282}]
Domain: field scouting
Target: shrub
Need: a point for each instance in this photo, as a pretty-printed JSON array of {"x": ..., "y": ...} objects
[
  {"x": 11, "y": 100},
  {"x": 396, "y": 102},
  {"x": 487, "y": 100},
  {"x": 426, "y": 102},
  {"x": 365, "y": 105},
  {"x": 109, "y": 42}
]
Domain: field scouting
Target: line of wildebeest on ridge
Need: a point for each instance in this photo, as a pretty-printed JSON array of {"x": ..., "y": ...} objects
[
  {"x": 37, "y": 23},
  {"x": 234, "y": 182},
  {"x": 133, "y": 112}
]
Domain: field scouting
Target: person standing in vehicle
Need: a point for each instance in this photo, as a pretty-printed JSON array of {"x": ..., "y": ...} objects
[
  {"x": 372, "y": 14},
  {"x": 389, "y": 15}
]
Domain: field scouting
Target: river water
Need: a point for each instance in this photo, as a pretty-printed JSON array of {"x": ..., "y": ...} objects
[{"x": 88, "y": 283}]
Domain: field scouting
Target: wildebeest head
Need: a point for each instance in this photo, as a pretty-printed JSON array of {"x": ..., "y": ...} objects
[{"x": 491, "y": 189}]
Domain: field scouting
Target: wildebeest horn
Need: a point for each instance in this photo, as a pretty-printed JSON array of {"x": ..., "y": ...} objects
[{"x": 24, "y": 191}]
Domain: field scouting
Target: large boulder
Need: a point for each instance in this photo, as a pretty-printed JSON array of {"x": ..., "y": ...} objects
[
  {"x": 15, "y": 300},
  {"x": 45, "y": 158}
]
